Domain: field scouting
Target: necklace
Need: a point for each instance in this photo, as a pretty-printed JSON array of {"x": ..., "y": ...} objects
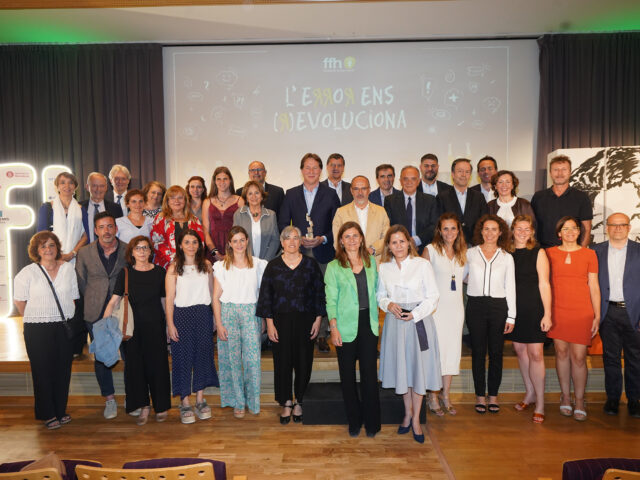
[
  {"x": 222, "y": 203},
  {"x": 255, "y": 215}
]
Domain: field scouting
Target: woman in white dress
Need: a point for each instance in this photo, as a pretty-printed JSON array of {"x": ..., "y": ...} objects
[
  {"x": 409, "y": 359},
  {"x": 448, "y": 256}
]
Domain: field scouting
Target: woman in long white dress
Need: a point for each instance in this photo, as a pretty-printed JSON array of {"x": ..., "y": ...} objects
[{"x": 448, "y": 256}]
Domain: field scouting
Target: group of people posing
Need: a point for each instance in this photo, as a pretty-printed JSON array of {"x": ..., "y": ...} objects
[{"x": 315, "y": 264}]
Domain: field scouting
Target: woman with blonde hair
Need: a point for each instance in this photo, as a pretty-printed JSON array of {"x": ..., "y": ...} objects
[
  {"x": 174, "y": 218},
  {"x": 409, "y": 352},
  {"x": 235, "y": 294},
  {"x": 448, "y": 256},
  {"x": 63, "y": 216},
  {"x": 533, "y": 304}
]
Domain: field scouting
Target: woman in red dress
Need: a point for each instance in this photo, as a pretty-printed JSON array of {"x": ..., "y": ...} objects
[
  {"x": 174, "y": 217},
  {"x": 217, "y": 212},
  {"x": 575, "y": 312}
]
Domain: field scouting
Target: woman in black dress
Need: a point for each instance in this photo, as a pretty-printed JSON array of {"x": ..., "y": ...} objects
[
  {"x": 146, "y": 370},
  {"x": 533, "y": 306},
  {"x": 292, "y": 300}
]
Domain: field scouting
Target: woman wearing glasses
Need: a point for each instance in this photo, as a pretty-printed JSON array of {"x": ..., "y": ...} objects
[
  {"x": 575, "y": 312},
  {"x": 147, "y": 366}
]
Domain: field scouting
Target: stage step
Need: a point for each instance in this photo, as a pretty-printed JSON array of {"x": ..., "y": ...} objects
[
  {"x": 16, "y": 384},
  {"x": 323, "y": 405}
]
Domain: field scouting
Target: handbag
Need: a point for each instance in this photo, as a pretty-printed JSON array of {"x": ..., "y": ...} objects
[
  {"x": 65, "y": 322},
  {"x": 124, "y": 313}
]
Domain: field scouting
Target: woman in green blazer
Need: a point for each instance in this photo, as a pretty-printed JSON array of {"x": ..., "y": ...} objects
[{"x": 350, "y": 285}]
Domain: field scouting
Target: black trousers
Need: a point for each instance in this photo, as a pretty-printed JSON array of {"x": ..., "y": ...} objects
[
  {"x": 50, "y": 355},
  {"x": 147, "y": 367},
  {"x": 79, "y": 328},
  {"x": 292, "y": 353},
  {"x": 617, "y": 336},
  {"x": 486, "y": 318},
  {"x": 363, "y": 408}
]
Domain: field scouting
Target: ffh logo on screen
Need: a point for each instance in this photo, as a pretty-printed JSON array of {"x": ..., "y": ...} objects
[{"x": 338, "y": 65}]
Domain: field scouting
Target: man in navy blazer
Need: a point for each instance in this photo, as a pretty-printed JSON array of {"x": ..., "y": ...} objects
[
  {"x": 424, "y": 208},
  {"x": 275, "y": 194},
  {"x": 475, "y": 206},
  {"x": 429, "y": 171},
  {"x": 320, "y": 203},
  {"x": 385, "y": 176},
  {"x": 97, "y": 188},
  {"x": 335, "y": 171},
  {"x": 619, "y": 278}
]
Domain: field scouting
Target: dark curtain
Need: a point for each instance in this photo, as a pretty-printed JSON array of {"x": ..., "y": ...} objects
[
  {"x": 589, "y": 93},
  {"x": 84, "y": 106}
]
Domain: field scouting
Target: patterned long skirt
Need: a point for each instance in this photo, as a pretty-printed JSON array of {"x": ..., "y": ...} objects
[{"x": 239, "y": 357}]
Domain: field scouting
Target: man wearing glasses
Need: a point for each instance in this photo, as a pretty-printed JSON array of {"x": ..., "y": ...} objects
[
  {"x": 619, "y": 277},
  {"x": 274, "y": 194},
  {"x": 558, "y": 201}
]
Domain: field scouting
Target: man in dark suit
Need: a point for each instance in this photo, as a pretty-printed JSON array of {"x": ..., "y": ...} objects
[
  {"x": 415, "y": 210},
  {"x": 275, "y": 194},
  {"x": 429, "y": 170},
  {"x": 619, "y": 277},
  {"x": 120, "y": 178},
  {"x": 97, "y": 267},
  {"x": 468, "y": 204},
  {"x": 335, "y": 171},
  {"x": 316, "y": 202},
  {"x": 385, "y": 176},
  {"x": 487, "y": 168},
  {"x": 97, "y": 188}
]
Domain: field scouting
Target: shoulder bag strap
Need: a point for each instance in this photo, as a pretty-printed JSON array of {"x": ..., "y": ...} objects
[{"x": 55, "y": 296}]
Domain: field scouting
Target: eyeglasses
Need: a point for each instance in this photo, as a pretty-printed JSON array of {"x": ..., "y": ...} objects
[
  {"x": 570, "y": 229},
  {"x": 617, "y": 225},
  {"x": 141, "y": 248},
  {"x": 256, "y": 170}
]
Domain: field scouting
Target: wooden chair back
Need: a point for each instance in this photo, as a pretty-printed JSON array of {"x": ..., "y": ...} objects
[
  {"x": 615, "y": 474},
  {"x": 197, "y": 471},
  {"x": 39, "y": 474}
]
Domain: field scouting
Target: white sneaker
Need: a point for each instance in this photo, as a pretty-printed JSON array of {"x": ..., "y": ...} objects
[
  {"x": 135, "y": 413},
  {"x": 110, "y": 409}
]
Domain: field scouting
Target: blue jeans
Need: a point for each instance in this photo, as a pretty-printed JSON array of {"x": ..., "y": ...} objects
[{"x": 103, "y": 373}]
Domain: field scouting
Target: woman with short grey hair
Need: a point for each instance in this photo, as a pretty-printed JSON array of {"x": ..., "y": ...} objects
[{"x": 292, "y": 300}]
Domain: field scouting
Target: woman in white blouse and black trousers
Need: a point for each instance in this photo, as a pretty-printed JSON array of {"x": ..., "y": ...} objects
[
  {"x": 491, "y": 305},
  {"x": 47, "y": 335}
]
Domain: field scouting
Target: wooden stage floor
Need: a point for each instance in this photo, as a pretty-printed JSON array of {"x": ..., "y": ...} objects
[{"x": 467, "y": 446}]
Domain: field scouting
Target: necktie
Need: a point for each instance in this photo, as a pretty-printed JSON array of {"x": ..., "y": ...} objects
[
  {"x": 118, "y": 200},
  {"x": 96, "y": 211},
  {"x": 409, "y": 223}
]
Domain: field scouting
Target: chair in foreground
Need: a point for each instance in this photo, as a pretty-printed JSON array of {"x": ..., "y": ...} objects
[
  {"x": 198, "y": 471},
  {"x": 595, "y": 468},
  {"x": 219, "y": 468},
  {"x": 69, "y": 466},
  {"x": 615, "y": 474},
  {"x": 39, "y": 474}
]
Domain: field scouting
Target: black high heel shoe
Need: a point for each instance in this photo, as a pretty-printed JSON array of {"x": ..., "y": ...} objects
[
  {"x": 286, "y": 419},
  {"x": 296, "y": 418}
]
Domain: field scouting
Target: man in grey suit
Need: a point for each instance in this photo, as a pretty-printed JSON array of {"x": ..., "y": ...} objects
[
  {"x": 619, "y": 276},
  {"x": 97, "y": 267}
]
